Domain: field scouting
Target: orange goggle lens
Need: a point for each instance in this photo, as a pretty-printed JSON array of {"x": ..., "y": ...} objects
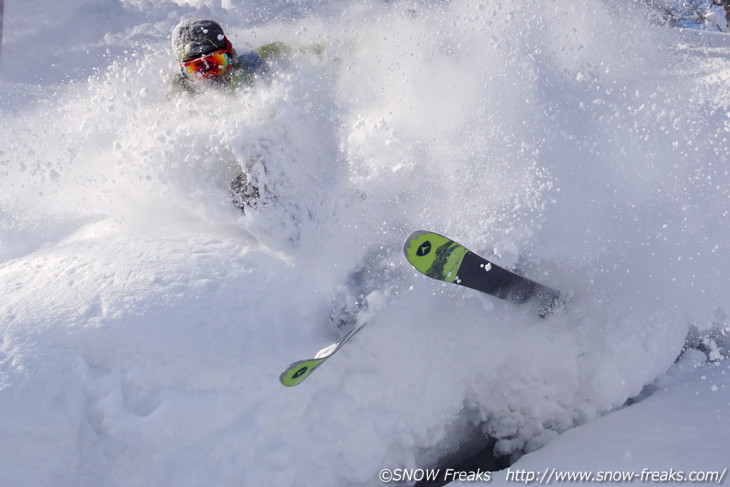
[{"x": 213, "y": 64}]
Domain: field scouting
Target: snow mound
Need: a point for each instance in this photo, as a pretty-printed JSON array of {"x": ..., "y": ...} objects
[{"x": 661, "y": 438}]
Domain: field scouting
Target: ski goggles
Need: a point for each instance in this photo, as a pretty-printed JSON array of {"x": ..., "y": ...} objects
[{"x": 211, "y": 65}]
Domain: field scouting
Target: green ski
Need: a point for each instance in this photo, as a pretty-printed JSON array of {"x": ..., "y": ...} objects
[
  {"x": 443, "y": 259},
  {"x": 301, "y": 369}
]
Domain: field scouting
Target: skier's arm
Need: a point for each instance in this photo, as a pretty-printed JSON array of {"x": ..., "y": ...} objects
[
  {"x": 274, "y": 51},
  {"x": 280, "y": 51}
]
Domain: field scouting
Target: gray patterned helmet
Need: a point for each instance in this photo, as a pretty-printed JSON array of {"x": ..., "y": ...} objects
[{"x": 193, "y": 38}]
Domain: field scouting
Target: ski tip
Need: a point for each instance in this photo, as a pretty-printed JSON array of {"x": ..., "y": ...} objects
[
  {"x": 301, "y": 369},
  {"x": 417, "y": 249},
  {"x": 434, "y": 255},
  {"x": 413, "y": 241},
  {"x": 298, "y": 371}
]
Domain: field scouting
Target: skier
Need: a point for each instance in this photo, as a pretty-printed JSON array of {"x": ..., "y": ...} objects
[{"x": 208, "y": 60}]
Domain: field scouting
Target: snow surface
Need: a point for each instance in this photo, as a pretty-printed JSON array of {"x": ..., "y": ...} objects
[
  {"x": 145, "y": 322},
  {"x": 682, "y": 427}
]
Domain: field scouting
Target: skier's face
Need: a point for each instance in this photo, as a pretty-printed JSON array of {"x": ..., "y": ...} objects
[{"x": 213, "y": 65}]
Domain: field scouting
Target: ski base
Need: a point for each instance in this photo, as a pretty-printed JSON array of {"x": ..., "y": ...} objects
[{"x": 443, "y": 259}]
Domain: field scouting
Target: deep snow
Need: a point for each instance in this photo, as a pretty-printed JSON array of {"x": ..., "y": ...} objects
[
  {"x": 145, "y": 322},
  {"x": 679, "y": 430}
]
